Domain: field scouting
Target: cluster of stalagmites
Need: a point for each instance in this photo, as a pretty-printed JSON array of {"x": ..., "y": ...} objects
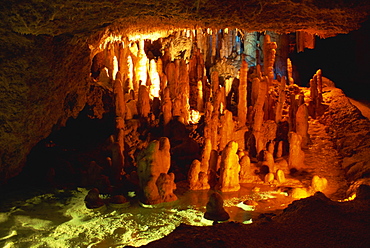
[{"x": 178, "y": 116}]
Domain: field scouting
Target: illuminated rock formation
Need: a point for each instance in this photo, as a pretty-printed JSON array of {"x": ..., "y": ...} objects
[
  {"x": 166, "y": 185},
  {"x": 198, "y": 180},
  {"x": 152, "y": 162},
  {"x": 296, "y": 155},
  {"x": 246, "y": 172},
  {"x": 302, "y": 124},
  {"x": 269, "y": 178},
  {"x": 143, "y": 104},
  {"x": 280, "y": 176},
  {"x": 290, "y": 72},
  {"x": 92, "y": 200},
  {"x": 269, "y": 51},
  {"x": 227, "y": 129},
  {"x": 318, "y": 183},
  {"x": 229, "y": 168},
  {"x": 166, "y": 107},
  {"x": 258, "y": 116},
  {"x": 242, "y": 104},
  {"x": 215, "y": 208},
  {"x": 281, "y": 100}
]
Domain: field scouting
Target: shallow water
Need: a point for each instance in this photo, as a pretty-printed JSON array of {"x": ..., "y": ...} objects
[{"x": 60, "y": 219}]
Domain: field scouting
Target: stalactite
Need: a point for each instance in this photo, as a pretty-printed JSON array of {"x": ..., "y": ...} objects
[
  {"x": 229, "y": 169},
  {"x": 242, "y": 103},
  {"x": 304, "y": 40},
  {"x": 250, "y": 47}
]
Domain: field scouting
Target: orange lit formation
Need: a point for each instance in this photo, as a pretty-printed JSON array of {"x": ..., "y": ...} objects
[{"x": 203, "y": 108}]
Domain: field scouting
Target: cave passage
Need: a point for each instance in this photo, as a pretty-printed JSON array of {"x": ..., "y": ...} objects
[{"x": 188, "y": 113}]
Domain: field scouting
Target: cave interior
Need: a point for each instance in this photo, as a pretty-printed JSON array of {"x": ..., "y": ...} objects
[{"x": 122, "y": 122}]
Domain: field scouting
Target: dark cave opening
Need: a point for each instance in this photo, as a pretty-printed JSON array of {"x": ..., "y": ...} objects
[{"x": 343, "y": 59}]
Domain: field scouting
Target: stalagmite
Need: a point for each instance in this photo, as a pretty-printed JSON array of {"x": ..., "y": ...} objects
[
  {"x": 269, "y": 51},
  {"x": 154, "y": 87},
  {"x": 141, "y": 74},
  {"x": 215, "y": 84},
  {"x": 269, "y": 160},
  {"x": 172, "y": 78},
  {"x": 166, "y": 185},
  {"x": 117, "y": 162},
  {"x": 198, "y": 179},
  {"x": 258, "y": 116},
  {"x": 227, "y": 129},
  {"x": 319, "y": 183},
  {"x": 143, "y": 103},
  {"x": 296, "y": 155},
  {"x": 279, "y": 152},
  {"x": 269, "y": 178},
  {"x": 290, "y": 72},
  {"x": 119, "y": 99},
  {"x": 229, "y": 171},
  {"x": 281, "y": 100},
  {"x": 167, "y": 107},
  {"x": 271, "y": 147},
  {"x": 280, "y": 176},
  {"x": 206, "y": 155},
  {"x": 242, "y": 104},
  {"x": 302, "y": 124},
  {"x": 214, "y": 208},
  {"x": 152, "y": 162},
  {"x": 246, "y": 173},
  {"x": 200, "y": 102}
]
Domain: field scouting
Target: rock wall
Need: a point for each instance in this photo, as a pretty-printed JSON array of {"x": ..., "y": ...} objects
[
  {"x": 351, "y": 133},
  {"x": 43, "y": 82}
]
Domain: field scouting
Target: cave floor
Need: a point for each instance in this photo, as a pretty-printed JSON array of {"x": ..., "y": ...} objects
[{"x": 59, "y": 218}]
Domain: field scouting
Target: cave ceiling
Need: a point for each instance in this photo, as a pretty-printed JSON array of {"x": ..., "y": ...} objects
[{"x": 81, "y": 18}]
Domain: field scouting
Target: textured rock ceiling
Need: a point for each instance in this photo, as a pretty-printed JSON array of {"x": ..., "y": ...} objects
[{"x": 54, "y": 17}]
